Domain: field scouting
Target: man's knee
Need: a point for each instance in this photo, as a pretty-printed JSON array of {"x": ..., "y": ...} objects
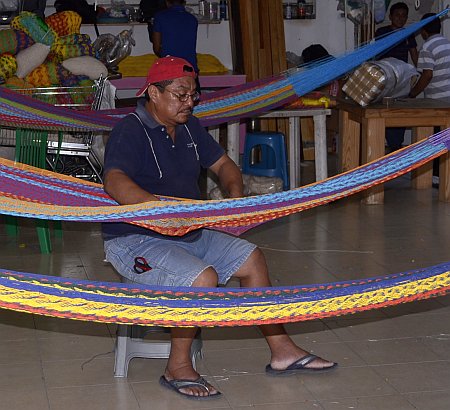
[{"x": 207, "y": 279}]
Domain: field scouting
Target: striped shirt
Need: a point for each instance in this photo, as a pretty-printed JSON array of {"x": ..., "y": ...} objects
[{"x": 435, "y": 56}]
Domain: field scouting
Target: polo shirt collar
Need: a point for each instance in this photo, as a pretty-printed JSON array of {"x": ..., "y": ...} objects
[{"x": 145, "y": 116}]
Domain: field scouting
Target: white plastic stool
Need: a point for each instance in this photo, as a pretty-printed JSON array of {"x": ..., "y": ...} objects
[{"x": 130, "y": 343}]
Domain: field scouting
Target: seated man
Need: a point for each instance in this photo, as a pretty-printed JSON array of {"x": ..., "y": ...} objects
[{"x": 159, "y": 150}]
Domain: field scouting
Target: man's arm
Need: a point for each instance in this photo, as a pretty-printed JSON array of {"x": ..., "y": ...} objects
[
  {"x": 124, "y": 190},
  {"x": 229, "y": 175},
  {"x": 157, "y": 43},
  {"x": 414, "y": 55},
  {"x": 422, "y": 83}
]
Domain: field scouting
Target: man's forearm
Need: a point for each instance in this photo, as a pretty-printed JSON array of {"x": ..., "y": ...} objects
[
  {"x": 124, "y": 190},
  {"x": 421, "y": 84},
  {"x": 231, "y": 180}
]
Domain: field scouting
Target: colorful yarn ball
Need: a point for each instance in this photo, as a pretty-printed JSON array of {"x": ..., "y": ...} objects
[
  {"x": 12, "y": 41},
  {"x": 73, "y": 45},
  {"x": 8, "y": 42},
  {"x": 35, "y": 27},
  {"x": 64, "y": 22},
  {"x": 23, "y": 40},
  {"x": 45, "y": 75},
  {"x": 8, "y": 66}
]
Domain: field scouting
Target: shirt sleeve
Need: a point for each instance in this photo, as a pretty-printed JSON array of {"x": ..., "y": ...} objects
[{"x": 426, "y": 60}]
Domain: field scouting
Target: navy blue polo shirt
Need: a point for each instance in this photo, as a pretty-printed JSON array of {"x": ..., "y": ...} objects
[
  {"x": 178, "y": 30},
  {"x": 148, "y": 155},
  {"x": 399, "y": 51}
]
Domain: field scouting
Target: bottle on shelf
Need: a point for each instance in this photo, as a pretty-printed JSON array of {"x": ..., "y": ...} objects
[
  {"x": 202, "y": 7},
  {"x": 288, "y": 11},
  {"x": 301, "y": 9},
  {"x": 223, "y": 7}
]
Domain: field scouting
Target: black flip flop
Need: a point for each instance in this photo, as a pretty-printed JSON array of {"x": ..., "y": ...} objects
[
  {"x": 299, "y": 366},
  {"x": 177, "y": 384}
]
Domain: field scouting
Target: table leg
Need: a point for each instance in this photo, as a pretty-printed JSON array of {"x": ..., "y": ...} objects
[
  {"x": 233, "y": 141},
  {"x": 210, "y": 178},
  {"x": 444, "y": 174},
  {"x": 349, "y": 144},
  {"x": 421, "y": 177},
  {"x": 294, "y": 152},
  {"x": 373, "y": 131},
  {"x": 320, "y": 147}
]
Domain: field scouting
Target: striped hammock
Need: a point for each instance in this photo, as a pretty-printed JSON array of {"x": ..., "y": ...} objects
[
  {"x": 223, "y": 106},
  {"x": 170, "y": 306},
  {"x": 36, "y": 193}
]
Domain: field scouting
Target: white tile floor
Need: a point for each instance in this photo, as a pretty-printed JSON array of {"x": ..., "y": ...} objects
[{"x": 396, "y": 358}]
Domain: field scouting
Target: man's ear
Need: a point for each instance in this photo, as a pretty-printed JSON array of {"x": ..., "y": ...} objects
[{"x": 153, "y": 93}]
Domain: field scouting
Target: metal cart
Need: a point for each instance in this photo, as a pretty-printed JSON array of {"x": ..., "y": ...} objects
[{"x": 69, "y": 153}]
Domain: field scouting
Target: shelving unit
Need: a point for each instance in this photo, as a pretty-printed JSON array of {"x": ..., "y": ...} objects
[{"x": 299, "y": 10}]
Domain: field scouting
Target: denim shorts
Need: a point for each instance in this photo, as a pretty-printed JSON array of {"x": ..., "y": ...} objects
[{"x": 177, "y": 261}]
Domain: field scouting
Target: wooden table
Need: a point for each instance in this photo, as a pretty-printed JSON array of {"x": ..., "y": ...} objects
[
  {"x": 362, "y": 129},
  {"x": 320, "y": 140}
]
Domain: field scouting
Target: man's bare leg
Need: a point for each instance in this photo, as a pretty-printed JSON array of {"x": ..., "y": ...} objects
[
  {"x": 179, "y": 365},
  {"x": 284, "y": 351}
]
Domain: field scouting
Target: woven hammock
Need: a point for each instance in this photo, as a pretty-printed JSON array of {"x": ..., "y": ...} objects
[
  {"x": 36, "y": 193},
  {"x": 223, "y": 106},
  {"x": 172, "y": 306}
]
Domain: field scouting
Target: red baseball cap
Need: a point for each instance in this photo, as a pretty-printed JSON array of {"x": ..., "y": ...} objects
[{"x": 167, "y": 68}]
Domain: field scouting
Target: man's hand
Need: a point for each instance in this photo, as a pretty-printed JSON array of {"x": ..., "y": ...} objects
[
  {"x": 229, "y": 175},
  {"x": 422, "y": 83}
]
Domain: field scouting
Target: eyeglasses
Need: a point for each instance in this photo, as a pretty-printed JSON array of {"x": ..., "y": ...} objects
[{"x": 184, "y": 97}]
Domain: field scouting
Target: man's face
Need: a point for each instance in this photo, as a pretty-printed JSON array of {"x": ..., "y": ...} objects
[
  {"x": 168, "y": 107},
  {"x": 398, "y": 18}
]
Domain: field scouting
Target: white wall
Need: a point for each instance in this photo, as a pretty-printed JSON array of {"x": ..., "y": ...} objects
[{"x": 329, "y": 28}]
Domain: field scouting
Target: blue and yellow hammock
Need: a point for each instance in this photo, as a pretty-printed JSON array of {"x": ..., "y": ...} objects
[{"x": 36, "y": 193}]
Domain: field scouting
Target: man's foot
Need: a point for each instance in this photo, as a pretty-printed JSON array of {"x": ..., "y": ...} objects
[
  {"x": 309, "y": 363},
  {"x": 198, "y": 389}
]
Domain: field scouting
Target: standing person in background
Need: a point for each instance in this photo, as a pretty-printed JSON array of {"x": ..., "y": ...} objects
[
  {"x": 148, "y": 9},
  {"x": 434, "y": 67},
  {"x": 398, "y": 14},
  {"x": 434, "y": 63},
  {"x": 175, "y": 34}
]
